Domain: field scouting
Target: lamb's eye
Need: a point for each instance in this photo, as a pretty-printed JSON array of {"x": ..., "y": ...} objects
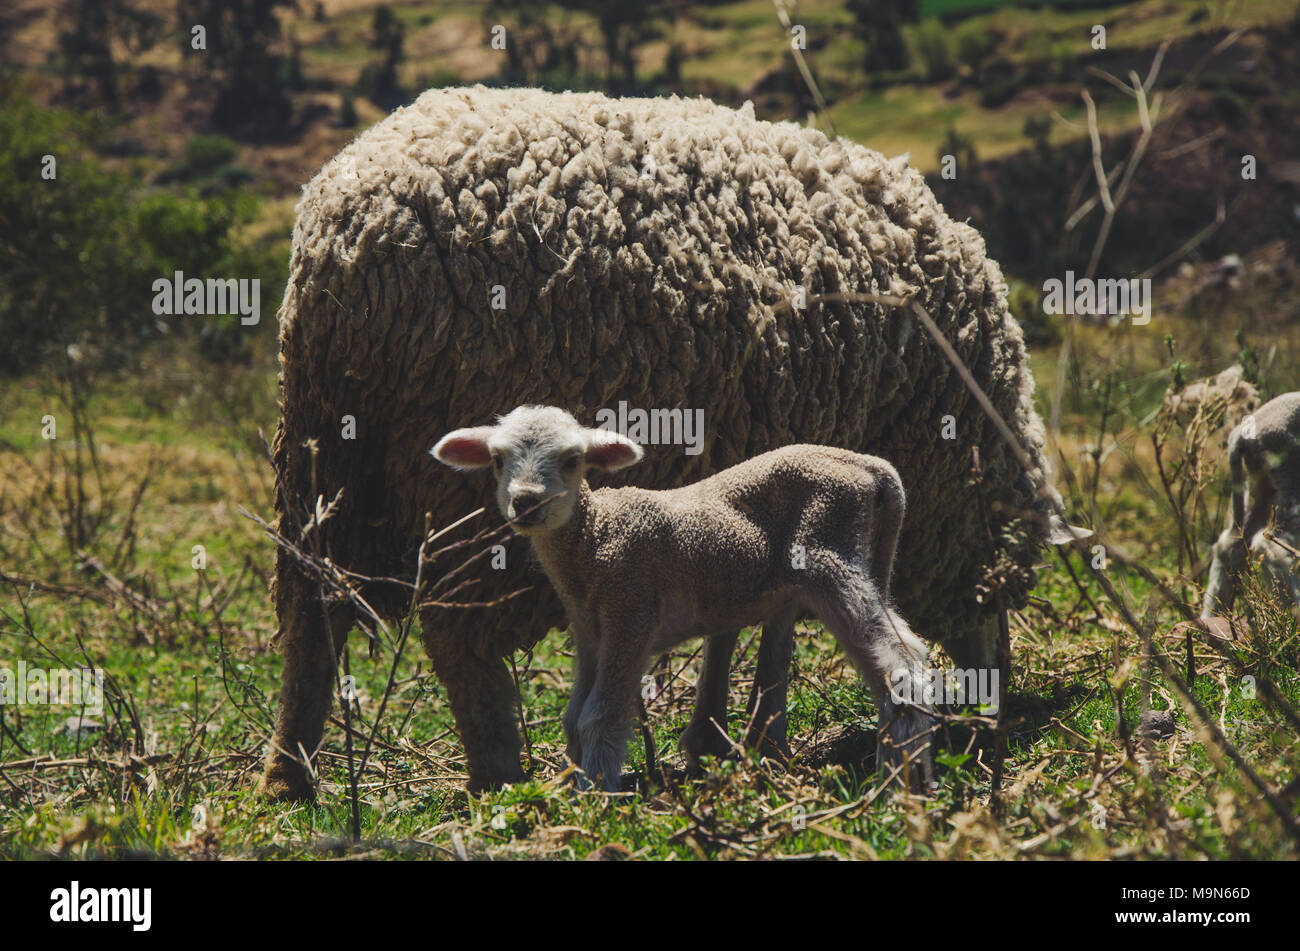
[
  {"x": 571, "y": 463},
  {"x": 496, "y": 463}
]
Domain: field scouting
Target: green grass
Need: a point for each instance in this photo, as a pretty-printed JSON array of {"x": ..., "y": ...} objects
[
  {"x": 733, "y": 45},
  {"x": 170, "y": 769},
  {"x": 916, "y": 120},
  {"x": 194, "y": 678}
]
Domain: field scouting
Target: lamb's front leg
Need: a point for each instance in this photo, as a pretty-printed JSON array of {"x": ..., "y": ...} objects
[
  {"x": 584, "y": 677},
  {"x": 611, "y": 704}
]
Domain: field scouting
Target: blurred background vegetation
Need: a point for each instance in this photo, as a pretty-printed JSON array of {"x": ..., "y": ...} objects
[{"x": 173, "y": 158}]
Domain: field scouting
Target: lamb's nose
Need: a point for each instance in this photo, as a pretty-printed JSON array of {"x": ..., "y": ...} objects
[{"x": 526, "y": 508}]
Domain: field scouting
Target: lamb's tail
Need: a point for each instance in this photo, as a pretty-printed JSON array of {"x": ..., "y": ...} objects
[{"x": 891, "y": 505}]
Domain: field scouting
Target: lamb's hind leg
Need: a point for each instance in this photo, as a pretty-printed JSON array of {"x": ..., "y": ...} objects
[
  {"x": 893, "y": 661},
  {"x": 767, "y": 701},
  {"x": 706, "y": 734}
]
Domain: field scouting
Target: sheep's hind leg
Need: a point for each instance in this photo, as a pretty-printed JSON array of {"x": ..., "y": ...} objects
[
  {"x": 482, "y": 697},
  {"x": 706, "y": 734},
  {"x": 767, "y": 702},
  {"x": 307, "y": 684}
]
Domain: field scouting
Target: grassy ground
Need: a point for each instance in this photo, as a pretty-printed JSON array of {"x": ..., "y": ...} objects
[
  {"x": 169, "y": 766},
  {"x": 101, "y": 527}
]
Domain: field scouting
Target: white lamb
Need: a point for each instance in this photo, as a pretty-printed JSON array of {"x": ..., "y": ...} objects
[
  {"x": 1264, "y": 458},
  {"x": 802, "y": 529}
]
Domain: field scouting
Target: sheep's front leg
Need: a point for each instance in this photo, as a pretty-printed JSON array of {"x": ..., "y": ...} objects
[
  {"x": 1229, "y": 558},
  {"x": 767, "y": 702},
  {"x": 584, "y": 678},
  {"x": 1292, "y": 575},
  {"x": 1278, "y": 564},
  {"x": 706, "y": 734},
  {"x": 611, "y": 704}
]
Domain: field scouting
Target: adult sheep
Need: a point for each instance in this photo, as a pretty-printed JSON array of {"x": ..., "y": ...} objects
[{"x": 484, "y": 248}]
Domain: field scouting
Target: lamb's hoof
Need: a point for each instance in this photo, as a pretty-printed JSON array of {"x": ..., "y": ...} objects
[
  {"x": 603, "y": 776},
  {"x": 915, "y": 776},
  {"x": 918, "y": 780},
  {"x": 487, "y": 777},
  {"x": 572, "y": 776}
]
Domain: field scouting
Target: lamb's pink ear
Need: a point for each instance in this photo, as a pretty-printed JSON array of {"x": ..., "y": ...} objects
[
  {"x": 464, "y": 448},
  {"x": 610, "y": 451}
]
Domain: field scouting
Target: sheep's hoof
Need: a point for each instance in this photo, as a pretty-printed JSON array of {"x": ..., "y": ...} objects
[
  {"x": 769, "y": 746},
  {"x": 281, "y": 784},
  {"x": 916, "y": 777},
  {"x": 573, "y": 777},
  {"x": 491, "y": 783},
  {"x": 703, "y": 739}
]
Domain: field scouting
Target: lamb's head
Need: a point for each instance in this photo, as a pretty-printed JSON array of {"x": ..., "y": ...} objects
[{"x": 540, "y": 456}]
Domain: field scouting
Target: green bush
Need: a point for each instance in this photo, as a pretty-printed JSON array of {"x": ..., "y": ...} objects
[
  {"x": 1000, "y": 80},
  {"x": 82, "y": 249},
  {"x": 974, "y": 43},
  {"x": 933, "y": 49},
  {"x": 1026, "y": 306},
  {"x": 204, "y": 157}
]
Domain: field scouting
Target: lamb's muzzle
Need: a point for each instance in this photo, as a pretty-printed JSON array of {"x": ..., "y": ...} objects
[{"x": 802, "y": 529}]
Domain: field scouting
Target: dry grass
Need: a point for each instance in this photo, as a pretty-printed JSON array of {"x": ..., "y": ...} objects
[{"x": 96, "y": 538}]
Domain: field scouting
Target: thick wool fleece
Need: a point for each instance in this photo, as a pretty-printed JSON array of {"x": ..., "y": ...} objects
[{"x": 644, "y": 250}]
